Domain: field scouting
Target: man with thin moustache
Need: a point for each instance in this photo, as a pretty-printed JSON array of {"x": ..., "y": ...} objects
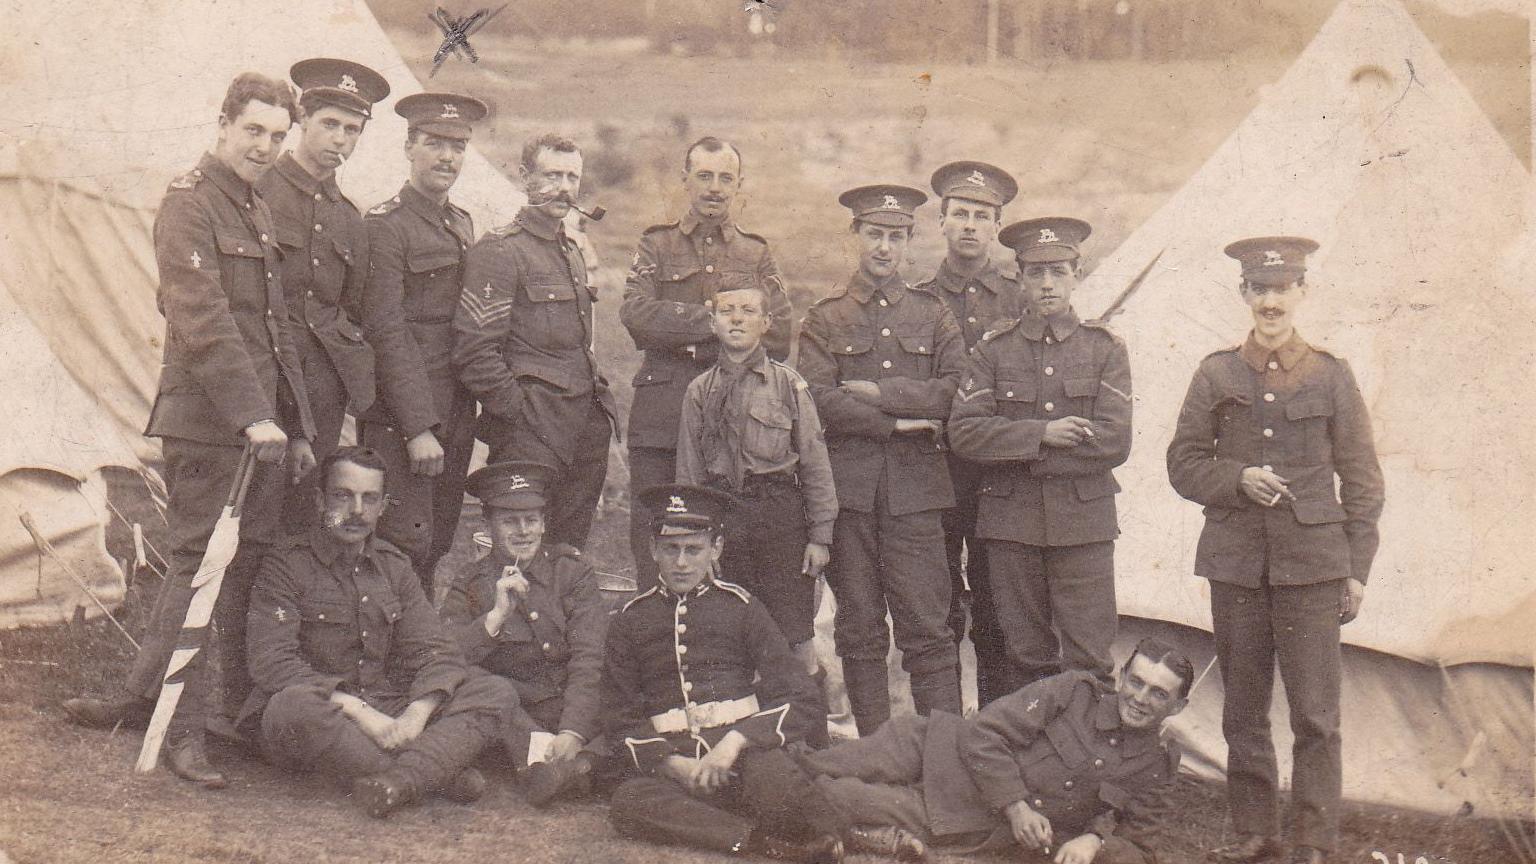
[
  {"x": 423, "y": 420},
  {"x": 523, "y": 343},
  {"x": 667, "y": 297},
  {"x": 883, "y": 360},
  {"x": 325, "y": 252},
  {"x": 231, "y": 380},
  {"x": 980, "y": 292}
]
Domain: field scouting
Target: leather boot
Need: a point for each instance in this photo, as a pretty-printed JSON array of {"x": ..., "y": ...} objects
[
  {"x": 868, "y": 693},
  {"x": 826, "y": 849},
  {"x": 383, "y": 794},
  {"x": 543, "y": 782},
  {"x": 1247, "y": 848},
  {"x": 889, "y": 841},
  {"x": 130, "y": 711},
  {"x": 817, "y": 736},
  {"x": 188, "y": 759}
]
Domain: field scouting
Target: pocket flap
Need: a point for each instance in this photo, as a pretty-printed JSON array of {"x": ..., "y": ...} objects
[
  {"x": 1066, "y": 743},
  {"x": 559, "y": 378},
  {"x": 1218, "y": 514},
  {"x": 550, "y": 290},
  {"x": 1301, "y": 409},
  {"x": 238, "y": 245},
  {"x": 851, "y": 342},
  {"x": 290, "y": 236},
  {"x": 347, "y": 329},
  {"x": 1095, "y": 486},
  {"x": 1014, "y": 391},
  {"x": 1116, "y": 797},
  {"x": 426, "y": 262},
  {"x": 677, "y": 275},
  {"x": 326, "y": 612},
  {"x": 342, "y": 249},
  {"x": 769, "y": 415},
  {"x": 1318, "y": 511},
  {"x": 920, "y": 344},
  {"x": 649, "y": 377},
  {"x": 1080, "y": 387}
]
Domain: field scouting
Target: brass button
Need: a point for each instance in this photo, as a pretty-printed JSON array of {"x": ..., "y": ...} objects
[
  {"x": 1274, "y": 365},
  {"x": 1050, "y": 406},
  {"x": 709, "y": 268},
  {"x": 1068, "y": 785},
  {"x": 1050, "y": 370},
  {"x": 1269, "y": 397},
  {"x": 885, "y": 364},
  {"x": 971, "y": 320},
  {"x": 545, "y": 646},
  {"x": 317, "y": 196},
  {"x": 1269, "y": 433},
  {"x": 682, "y": 610},
  {"x": 1098, "y": 763},
  {"x": 533, "y": 616},
  {"x": 318, "y": 227},
  {"x": 848, "y": 348},
  {"x": 682, "y": 649},
  {"x": 263, "y": 238},
  {"x": 1050, "y": 341},
  {"x": 971, "y": 289},
  {"x": 1009, "y": 394},
  {"x": 883, "y": 303},
  {"x": 688, "y": 686},
  {"x": 682, "y": 628},
  {"x": 885, "y": 331},
  {"x": 316, "y": 262}
]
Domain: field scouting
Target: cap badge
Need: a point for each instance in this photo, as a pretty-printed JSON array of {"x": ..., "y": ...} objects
[
  {"x": 976, "y": 179},
  {"x": 677, "y": 505},
  {"x": 347, "y": 84},
  {"x": 1273, "y": 258},
  {"x": 450, "y": 111},
  {"x": 1048, "y": 236},
  {"x": 891, "y": 203},
  {"x": 518, "y": 482}
]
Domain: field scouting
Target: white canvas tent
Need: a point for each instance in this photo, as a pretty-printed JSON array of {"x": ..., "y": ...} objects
[
  {"x": 1370, "y": 145},
  {"x": 101, "y": 105}
]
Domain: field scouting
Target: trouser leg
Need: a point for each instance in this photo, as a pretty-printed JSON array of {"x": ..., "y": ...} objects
[
  {"x": 648, "y": 466},
  {"x": 986, "y": 633},
  {"x": 1021, "y": 596},
  {"x": 447, "y": 489},
  {"x": 328, "y": 408},
  {"x": 1306, "y": 632},
  {"x": 475, "y": 716},
  {"x": 916, "y": 584},
  {"x": 1082, "y": 586},
  {"x": 229, "y": 613},
  {"x": 659, "y": 810},
  {"x": 1118, "y": 850},
  {"x": 891, "y": 754},
  {"x": 1245, "y": 650},
  {"x": 781, "y": 798},
  {"x": 860, "y": 632},
  {"x": 878, "y": 804},
  {"x": 302, "y": 730},
  {"x": 764, "y": 548},
  {"x": 575, "y": 493}
]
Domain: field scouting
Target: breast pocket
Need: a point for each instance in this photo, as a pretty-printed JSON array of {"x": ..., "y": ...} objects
[
  {"x": 853, "y": 350},
  {"x": 917, "y": 355},
  {"x": 767, "y": 434},
  {"x": 242, "y": 262},
  {"x": 556, "y": 322},
  {"x": 432, "y": 285},
  {"x": 681, "y": 285},
  {"x": 1233, "y": 415},
  {"x": 1307, "y": 441},
  {"x": 1082, "y": 390},
  {"x": 326, "y": 636},
  {"x": 1015, "y": 398},
  {"x": 377, "y": 634}
]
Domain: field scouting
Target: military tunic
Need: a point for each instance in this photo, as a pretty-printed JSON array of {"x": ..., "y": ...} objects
[
  {"x": 1056, "y": 744},
  {"x": 774, "y": 458},
  {"x": 324, "y": 621},
  {"x": 891, "y": 488},
  {"x": 1276, "y": 572},
  {"x": 1048, "y": 513},
  {"x": 324, "y": 272},
  {"x": 683, "y": 671},
  {"x": 416, "y": 258},
  {"x": 551, "y": 648},
  {"x": 229, "y": 362},
  {"x": 978, "y": 302},
  {"x": 523, "y": 345},
  {"x": 674, "y": 275}
]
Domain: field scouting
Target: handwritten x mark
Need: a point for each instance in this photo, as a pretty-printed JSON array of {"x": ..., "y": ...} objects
[{"x": 456, "y": 33}]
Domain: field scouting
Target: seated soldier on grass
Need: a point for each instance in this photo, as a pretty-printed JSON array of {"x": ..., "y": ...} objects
[
  {"x": 354, "y": 674},
  {"x": 530, "y": 612},
  {"x": 1067, "y": 768}
]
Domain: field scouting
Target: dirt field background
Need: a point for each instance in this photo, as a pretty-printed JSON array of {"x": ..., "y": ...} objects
[{"x": 1107, "y": 142}]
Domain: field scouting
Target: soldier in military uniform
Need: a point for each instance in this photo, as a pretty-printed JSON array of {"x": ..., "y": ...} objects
[
  {"x": 356, "y": 676},
  {"x": 1266, "y": 429},
  {"x": 980, "y": 292},
  {"x": 883, "y": 361},
  {"x": 667, "y": 295},
  {"x": 423, "y": 420},
  {"x": 702, "y": 695},
  {"x": 1068, "y": 768},
  {"x": 325, "y": 252},
  {"x": 231, "y": 380},
  {"x": 1046, "y": 407},
  {"x": 531, "y": 613},
  {"x": 750, "y": 427},
  {"x": 523, "y": 344}
]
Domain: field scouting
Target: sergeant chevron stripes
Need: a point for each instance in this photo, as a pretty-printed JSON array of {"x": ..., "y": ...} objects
[{"x": 485, "y": 311}]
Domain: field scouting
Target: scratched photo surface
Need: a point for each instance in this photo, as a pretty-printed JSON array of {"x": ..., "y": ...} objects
[{"x": 1395, "y": 133}]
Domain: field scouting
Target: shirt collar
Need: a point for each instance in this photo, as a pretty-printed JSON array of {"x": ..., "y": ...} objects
[
  {"x": 954, "y": 283},
  {"x": 691, "y": 221},
  {"x": 538, "y": 224},
  {"x": 294, "y": 173},
  {"x": 1289, "y": 354},
  {"x": 328, "y": 549},
  {"x": 225, "y": 178},
  {"x": 757, "y": 361},
  {"x": 1061, "y": 326},
  {"x": 862, "y": 289},
  {"x": 1106, "y": 719}
]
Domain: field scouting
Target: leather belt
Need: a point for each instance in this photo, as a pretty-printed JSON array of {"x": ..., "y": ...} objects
[{"x": 707, "y": 715}]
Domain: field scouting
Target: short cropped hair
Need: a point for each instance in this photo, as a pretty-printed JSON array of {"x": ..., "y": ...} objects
[
  {"x": 253, "y": 86},
  {"x": 710, "y": 144},
  {"x": 546, "y": 141},
  {"x": 997, "y": 210},
  {"x": 310, "y": 102},
  {"x": 853, "y": 227},
  {"x": 362, "y": 457},
  {"x": 1158, "y": 651}
]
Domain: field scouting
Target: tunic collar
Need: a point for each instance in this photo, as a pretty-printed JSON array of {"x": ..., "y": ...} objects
[
  {"x": 225, "y": 178},
  {"x": 1289, "y": 354},
  {"x": 891, "y": 288},
  {"x": 691, "y": 222},
  {"x": 294, "y": 173},
  {"x": 990, "y": 277},
  {"x": 539, "y": 225},
  {"x": 1106, "y": 719},
  {"x": 421, "y": 204},
  {"x": 327, "y": 548},
  {"x": 1060, "y": 326}
]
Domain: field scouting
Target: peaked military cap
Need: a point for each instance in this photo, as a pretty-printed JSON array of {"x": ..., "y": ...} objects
[
  {"x": 1272, "y": 260},
  {"x": 342, "y": 83},
  {"x": 511, "y": 485},
  {"x": 884, "y": 204},
  {"x": 1051, "y": 238},
  {"x": 448, "y": 115},
  {"x": 975, "y": 181},
  {"x": 677, "y": 508}
]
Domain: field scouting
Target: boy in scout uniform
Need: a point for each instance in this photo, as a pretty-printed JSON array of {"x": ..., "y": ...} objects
[
  {"x": 355, "y": 675},
  {"x": 750, "y": 427},
  {"x": 883, "y": 360},
  {"x": 423, "y": 420},
  {"x": 667, "y": 296},
  {"x": 325, "y": 252},
  {"x": 530, "y": 612},
  {"x": 1067, "y": 768},
  {"x": 523, "y": 343},
  {"x": 1266, "y": 430},
  {"x": 231, "y": 380},
  {"x": 702, "y": 695},
  {"x": 1046, "y": 407},
  {"x": 980, "y": 292}
]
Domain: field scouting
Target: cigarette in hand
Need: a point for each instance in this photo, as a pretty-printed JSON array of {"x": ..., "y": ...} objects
[{"x": 1275, "y": 500}]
